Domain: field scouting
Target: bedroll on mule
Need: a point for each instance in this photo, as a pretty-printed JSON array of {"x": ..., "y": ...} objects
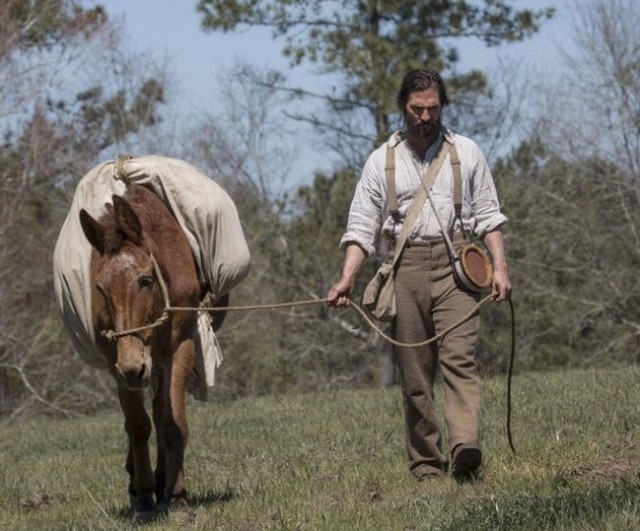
[{"x": 204, "y": 211}]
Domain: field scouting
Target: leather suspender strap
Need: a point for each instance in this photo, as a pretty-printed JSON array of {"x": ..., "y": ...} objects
[
  {"x": 390, "y": 174},
  {"x": 429, "y": 178},
  {"x": 457, "y": 181}
]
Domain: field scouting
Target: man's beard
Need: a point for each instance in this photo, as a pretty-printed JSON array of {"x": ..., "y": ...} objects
[{"x": 423, "y": 133}]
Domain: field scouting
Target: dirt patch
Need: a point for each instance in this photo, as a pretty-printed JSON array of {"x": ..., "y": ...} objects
[
  {"x": 617, "y": 468},
  {"x": 35, "y": 501}
]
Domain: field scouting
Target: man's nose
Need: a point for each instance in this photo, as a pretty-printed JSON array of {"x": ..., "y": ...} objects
[{"x": 424, "y": 116}]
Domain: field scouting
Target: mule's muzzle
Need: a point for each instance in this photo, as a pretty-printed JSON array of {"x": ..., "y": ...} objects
[{"x": 134, "y": 363}]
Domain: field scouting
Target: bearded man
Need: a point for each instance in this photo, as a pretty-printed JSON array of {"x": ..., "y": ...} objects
[{"x": 428, "y": 297}]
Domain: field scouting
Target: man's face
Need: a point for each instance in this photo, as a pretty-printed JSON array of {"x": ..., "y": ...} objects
[{"x": 422, "y": 115}]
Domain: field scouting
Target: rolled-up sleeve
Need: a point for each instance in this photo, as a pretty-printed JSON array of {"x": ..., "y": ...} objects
[
  {"x": 484, "y": 197},
  {"x": 365, "y": 214}
]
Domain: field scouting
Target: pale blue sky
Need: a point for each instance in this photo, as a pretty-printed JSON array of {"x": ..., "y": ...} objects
[{"x": 171, "y": 28}]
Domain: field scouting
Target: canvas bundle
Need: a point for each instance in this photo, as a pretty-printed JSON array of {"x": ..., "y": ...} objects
[
  {"x": 379, "y": 296},
  {"x": 208, "y": 217}
]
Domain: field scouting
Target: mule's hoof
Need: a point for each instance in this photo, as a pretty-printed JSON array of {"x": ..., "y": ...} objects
[
  {"x": 143, "y": 509},
  {"x": 178, "y": 503},
  {"x": 141, "y": 517}
]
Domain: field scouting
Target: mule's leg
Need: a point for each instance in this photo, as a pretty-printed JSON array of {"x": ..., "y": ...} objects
[
  {"x": 138, "y": 427},
  {"x": 175, "y": 429},
  {"x": 159, "y": 401}
]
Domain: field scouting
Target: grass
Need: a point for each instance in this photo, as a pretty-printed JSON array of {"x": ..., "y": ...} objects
[{"x": 336, "y": 461}]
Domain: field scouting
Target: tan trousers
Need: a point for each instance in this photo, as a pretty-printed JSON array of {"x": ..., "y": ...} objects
[{"x": 428, "y": 301}]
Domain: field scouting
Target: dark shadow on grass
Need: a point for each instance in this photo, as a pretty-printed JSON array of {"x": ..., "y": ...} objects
[
  {"x": 206, "y": 499},
  {"x": 210, "y": 498}
]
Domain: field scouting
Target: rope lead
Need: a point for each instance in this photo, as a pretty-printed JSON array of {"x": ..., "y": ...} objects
[{"x": 164, "y": 317}]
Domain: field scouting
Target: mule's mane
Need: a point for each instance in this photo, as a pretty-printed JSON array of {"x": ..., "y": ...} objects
[{"x": 150, "y": 209}]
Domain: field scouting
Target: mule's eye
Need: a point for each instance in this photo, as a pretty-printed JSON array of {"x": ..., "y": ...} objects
[{"x": 145, "y": 282}]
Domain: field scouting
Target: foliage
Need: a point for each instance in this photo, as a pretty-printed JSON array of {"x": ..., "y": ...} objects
[
  {"x": 569, "y": 188},
  {"x": 572, "y": 196},
  {"x": 336, "y": 460},
  {"x": 45, "y": 24},
  {"x": 307, "y": 347},
  {"x": 110, "y": 120},
  {"x": 367, "y": 46},
  {"x": 57, "y": 138},
  {"x": 576, "y": 284},
  {"x": 370, "y": 45}
]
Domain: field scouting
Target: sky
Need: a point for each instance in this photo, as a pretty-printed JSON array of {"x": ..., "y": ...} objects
[{"x": 170, "y": 29}]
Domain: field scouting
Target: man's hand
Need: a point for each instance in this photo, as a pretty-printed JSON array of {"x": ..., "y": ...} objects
[
  {"x": 501, "y": 286},
  {"x": 340, "y": 293}
]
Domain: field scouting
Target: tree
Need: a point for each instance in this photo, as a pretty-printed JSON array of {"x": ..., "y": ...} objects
[
  {"x": 571, "y": 191},
  {"x": 576, "y": 291},
  {"x": 604, "y": 73},
  {"x": 244, "y": 145},
  {"x": 34, "y": 40},
  {"x": 51, "y": 138},
  {"x": 369, "y": 45}
]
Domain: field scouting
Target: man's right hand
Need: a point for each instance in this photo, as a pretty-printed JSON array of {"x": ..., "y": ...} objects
[{"x": 340, "y": 293}]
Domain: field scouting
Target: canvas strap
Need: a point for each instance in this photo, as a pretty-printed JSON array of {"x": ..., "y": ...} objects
[
  {"x": 429, "y": 178},
  {"x": 390, "y": 175},
  {"x": 457, "y": 200},
  {"x": 457, "y": 181}
]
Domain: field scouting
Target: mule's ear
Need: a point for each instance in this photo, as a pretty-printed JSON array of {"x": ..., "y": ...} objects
[
  {"x": 127, "y": 219},
  {"x": 93, "y": 231}
]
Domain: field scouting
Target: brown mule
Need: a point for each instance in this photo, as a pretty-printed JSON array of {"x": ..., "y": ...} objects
[{"x": 126, "y": 294}]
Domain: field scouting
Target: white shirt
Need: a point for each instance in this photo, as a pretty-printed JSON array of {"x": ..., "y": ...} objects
[{"x": 369, "y": 214}]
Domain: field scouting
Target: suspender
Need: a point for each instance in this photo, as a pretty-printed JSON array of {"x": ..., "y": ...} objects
[
  {"x": 390, "y": 174},
  {"x": 457, "y": 181},
  {"x": 423, "y": 192}
]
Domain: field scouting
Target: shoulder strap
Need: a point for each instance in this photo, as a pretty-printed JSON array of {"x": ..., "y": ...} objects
[
  {"x": 457, "y": 181},
  {"x": 419, "y": 199},
  {"x": 390, "y": 173}
]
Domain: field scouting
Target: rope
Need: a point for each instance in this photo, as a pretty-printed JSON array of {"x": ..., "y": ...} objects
[
  {"x": 112, "y": 335},
  {"x": 510, "y": 374},
  {"x": 119, "y": 170},
  {"x": 426, "y": 341},
  {"x": 353, "y": 305}
]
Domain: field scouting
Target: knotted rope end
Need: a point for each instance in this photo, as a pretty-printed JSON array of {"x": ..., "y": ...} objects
[{"x": 119, "y": 171}]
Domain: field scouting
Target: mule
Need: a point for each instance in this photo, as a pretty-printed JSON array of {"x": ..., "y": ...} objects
[{"x": 126, "y": 294}]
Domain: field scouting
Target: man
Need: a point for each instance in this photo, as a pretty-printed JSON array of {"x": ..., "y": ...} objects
[{"x": 428, "y": 298}]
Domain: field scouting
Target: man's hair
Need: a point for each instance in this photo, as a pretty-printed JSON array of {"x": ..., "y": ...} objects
[{"x": 418, "y": 80}]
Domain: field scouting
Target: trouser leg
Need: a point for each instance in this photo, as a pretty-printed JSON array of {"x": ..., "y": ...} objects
[
  {"x": 417, "y": 368},
  {"x": 457, "y": 361}
]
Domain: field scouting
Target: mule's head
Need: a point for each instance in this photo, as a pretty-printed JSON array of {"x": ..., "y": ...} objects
[{"x": 125, "y": 289}]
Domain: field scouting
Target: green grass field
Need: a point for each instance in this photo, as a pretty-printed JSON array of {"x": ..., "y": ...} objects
[{"x": 336, "y": 461}]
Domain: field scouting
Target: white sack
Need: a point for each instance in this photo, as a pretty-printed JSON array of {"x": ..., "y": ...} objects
[{"x": 208, "y": 218}]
